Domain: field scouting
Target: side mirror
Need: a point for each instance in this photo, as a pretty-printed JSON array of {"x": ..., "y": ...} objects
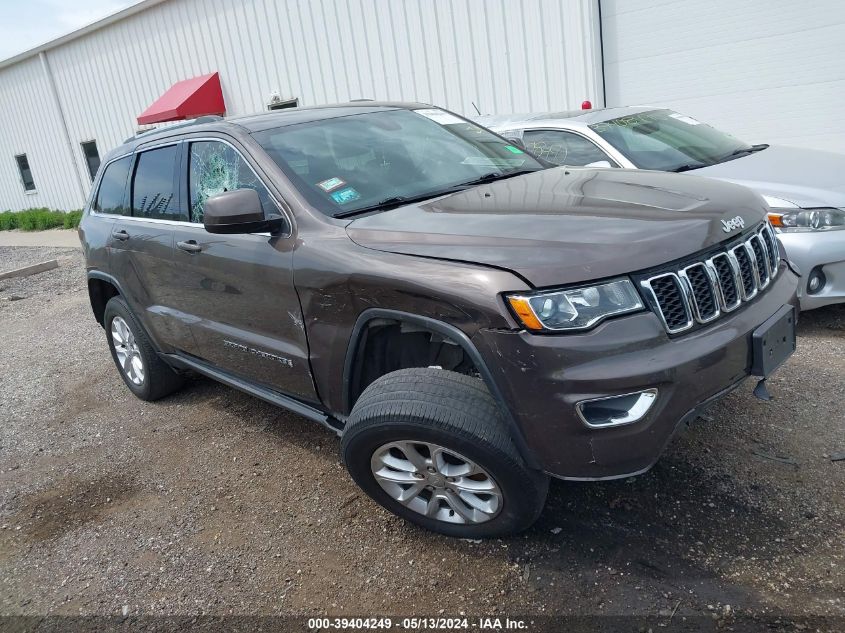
[
  {"x": 517, "y": 142},
  {"x": 237, "y": 211},
  {"x": 599, "y": 163}
]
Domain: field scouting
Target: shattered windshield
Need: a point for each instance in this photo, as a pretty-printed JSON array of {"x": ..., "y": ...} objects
[
  {"x": 364, "y": 161},
  {"x": 668, "y": 141}
]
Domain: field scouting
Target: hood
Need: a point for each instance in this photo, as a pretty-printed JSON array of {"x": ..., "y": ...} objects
[
  {"x": 806, "y": 177},
  {"x": 566, "y": 225}
]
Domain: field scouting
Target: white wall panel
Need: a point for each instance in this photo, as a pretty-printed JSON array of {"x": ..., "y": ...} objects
[
  {"x": 29, "y": 124},
  {"x": 765, "y": 70},
  {"x": 502, "y": 55}
]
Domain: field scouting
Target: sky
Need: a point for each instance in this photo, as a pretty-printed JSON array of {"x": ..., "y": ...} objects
[{"x": 25, "y": 24}]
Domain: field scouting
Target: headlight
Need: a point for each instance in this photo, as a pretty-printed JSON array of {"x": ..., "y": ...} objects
[
  {"x": 805, "y": 220},
  {"x": 790, "y": 218},
  {"x": 575, "y": 309}
]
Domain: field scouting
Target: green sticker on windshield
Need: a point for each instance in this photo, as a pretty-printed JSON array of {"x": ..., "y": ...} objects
[
  {"x": 345, "y": 195},
  {"x": 514, "y": 149}
]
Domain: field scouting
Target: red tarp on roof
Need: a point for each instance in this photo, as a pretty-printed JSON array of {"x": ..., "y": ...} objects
[{"x": 187, "y": 99}]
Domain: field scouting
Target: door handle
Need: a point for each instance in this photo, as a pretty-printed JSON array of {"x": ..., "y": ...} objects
[
  {"x": 190, "y": 246},
  {"x": 120, "y": 235}
]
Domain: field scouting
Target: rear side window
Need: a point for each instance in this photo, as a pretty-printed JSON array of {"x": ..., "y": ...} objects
[
  {"x": 563, "y": 148},
  {"x": 110, "y": 195},
  {"x": 154, "y": 193},
  {"x": 216, "y": 167}
]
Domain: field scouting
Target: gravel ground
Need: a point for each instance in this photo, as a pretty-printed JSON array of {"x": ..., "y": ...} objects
[{"x": 213, "y": 502}]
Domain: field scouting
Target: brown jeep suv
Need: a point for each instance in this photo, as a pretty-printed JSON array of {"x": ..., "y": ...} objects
[{"x": 468, "y": 321}]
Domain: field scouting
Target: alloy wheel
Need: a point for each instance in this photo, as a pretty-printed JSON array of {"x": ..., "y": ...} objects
[
  {"x": 436, "y": 482},
  {"x": 127, "y": 351}
]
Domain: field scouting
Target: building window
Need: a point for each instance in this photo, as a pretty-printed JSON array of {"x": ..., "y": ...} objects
[
  {"x": 92, "y": 157},
  {"x": 278, "y": 104},
  {"x": 26, "y": 172}
]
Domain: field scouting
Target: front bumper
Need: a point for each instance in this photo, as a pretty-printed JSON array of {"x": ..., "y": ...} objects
[
  {"x": 542, "y": 377},
  {"x": 825, "y": 249}
]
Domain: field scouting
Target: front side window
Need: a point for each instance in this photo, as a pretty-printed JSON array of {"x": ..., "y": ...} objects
[
  {"x": 216, "y": 167},
  {"x": 92, "y": 157},
  {"x": 563, "y": 148},
  {"x": 154, "y": 185},
  {"x": 356, "y": 162},
  {"x": 111, "y": 194},
  {"x": 25, "y": 172},
  {"x": 668, "y": 141}
]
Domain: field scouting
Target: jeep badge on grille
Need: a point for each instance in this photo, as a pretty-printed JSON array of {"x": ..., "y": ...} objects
[{"x": 733, "y": 224}]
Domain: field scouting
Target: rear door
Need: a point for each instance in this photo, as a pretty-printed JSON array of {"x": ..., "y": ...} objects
[
  {"x": 237, "y": 291},
  {"x": 141, "y": 247}
]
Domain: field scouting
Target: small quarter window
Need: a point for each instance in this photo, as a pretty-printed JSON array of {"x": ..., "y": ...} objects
[
  {"x": 26, "y": 172},
  {"x": 92, "y": 157},
  {"x": 153, "y": 187},
  {"x": 216, "y": 167},
  {"x": 112, "y": 191}
]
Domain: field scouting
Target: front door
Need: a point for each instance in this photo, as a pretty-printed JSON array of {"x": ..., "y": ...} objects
[{"x": 237, "y": 291}]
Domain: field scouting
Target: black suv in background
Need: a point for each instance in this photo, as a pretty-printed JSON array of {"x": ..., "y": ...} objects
[{"x": 467, "y": 321}]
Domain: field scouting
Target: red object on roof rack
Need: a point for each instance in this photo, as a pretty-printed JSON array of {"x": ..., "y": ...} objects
[
  {"x": 586, "y": 105},
  {"x": 187, "y": 99}
]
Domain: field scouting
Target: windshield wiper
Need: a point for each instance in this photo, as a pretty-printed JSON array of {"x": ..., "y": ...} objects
[
  {"x": 494, "y": 176},
  {"x": 390, "y": 203},
  {"x": 397, "y": 201},
  {"x": 688, "y": 167},
  {"x": 745, "y": 150}
]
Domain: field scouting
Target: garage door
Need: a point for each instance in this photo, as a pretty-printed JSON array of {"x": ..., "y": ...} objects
[{"x": 768, "y": 71}]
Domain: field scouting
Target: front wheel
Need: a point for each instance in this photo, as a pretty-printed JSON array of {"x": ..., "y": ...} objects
[{"x": 431, "y": 446}]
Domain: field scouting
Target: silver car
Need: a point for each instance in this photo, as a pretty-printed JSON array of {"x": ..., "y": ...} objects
[{"x": 804, "y": 188}]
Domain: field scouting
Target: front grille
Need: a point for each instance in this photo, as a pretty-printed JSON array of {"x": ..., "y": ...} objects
[{"x": 701, "y": 291}]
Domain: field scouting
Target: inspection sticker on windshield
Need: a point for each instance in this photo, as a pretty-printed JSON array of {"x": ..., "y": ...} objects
[
  {"x": 331, "y": 183},
  {"x": 686, "y": 119},
  {"x": 514, "y": 149},
  {"x": 439, "y": 116},
  {"x": 345, "y": 195}
]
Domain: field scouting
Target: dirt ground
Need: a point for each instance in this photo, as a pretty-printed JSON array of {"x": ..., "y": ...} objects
[{"x": 213, "y": 502}]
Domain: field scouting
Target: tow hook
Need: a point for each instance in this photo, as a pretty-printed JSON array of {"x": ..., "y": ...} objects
[{"x": 762, "y": 392}]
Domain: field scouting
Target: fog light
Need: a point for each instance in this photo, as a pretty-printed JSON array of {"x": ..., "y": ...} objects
[
  {"x": 816, "y": 281},
  {"x": 598, "y": 413}
]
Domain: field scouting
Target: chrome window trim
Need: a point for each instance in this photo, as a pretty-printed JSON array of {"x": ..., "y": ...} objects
[
  {"x": 646, "y": 284},
  {"x": 282, "y": 208}
]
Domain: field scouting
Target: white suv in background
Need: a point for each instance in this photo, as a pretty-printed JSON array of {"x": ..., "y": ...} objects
[{"x": 804, "y": 188}]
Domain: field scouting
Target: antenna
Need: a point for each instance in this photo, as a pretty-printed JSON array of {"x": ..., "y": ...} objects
[{"x": 476, "y": 107}]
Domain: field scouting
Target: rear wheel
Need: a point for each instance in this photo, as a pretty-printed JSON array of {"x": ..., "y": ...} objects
[
  {"x": 431, "y": 446},
  {"x": 146, "y": 375}
]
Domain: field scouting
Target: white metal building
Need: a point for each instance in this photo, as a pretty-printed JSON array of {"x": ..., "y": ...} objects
[{"x": 766, "y": 70}]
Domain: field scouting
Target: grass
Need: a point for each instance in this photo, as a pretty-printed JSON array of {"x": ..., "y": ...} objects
[{"x": 39, "y": 220}]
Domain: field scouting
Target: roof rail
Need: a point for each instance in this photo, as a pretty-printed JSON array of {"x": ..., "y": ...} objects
[{"x": 208, "y": 118}]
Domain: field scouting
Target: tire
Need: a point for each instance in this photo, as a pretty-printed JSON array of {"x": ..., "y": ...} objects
[
  {"x": 411, "y": 414},
  {"x": 154, "y": 378}
]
